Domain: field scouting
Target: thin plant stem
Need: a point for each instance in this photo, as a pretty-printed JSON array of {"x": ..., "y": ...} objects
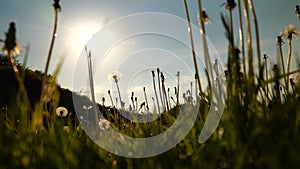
[
  {"x": 159, "y": 89},
  {"x": 154, "y": 86},
  {"x": 279, "y": 43},
  {"x": 158, "y": 107},
  {"x": 164, "y": 91},
  {"x": 241, "y": 33},
  {"x": 267, "y": 78},
  {"x": 136, "y": 103},
  {"x": 231, "y": 26},
  {"x": 89, "y": 58},
  {"x": 19, "y": 80},
  {"x": 54, "y": 34},
  {"x": 177, "y": 90},
  {"x": 191, "y": 84},
  {"x": 289, "y": 63},
  {"x": 204, "y": 41},
  {"x": 132, "y": 100},
  {"x": 193, "y": 47},
  {"x": 169, "y": 98},
  {"x": 27, "y": 49},
  {"x": 119, "y": 93},
  {"x": 249, "y": 42},
  {"x": 196, "y": 88},
  {"x": 145, "y": 95},
  {"x": 256, "y": 32},
  {"x": 111, "y": 100}
]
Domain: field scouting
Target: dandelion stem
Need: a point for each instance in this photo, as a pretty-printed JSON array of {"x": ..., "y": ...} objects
[
  {"x": 249, "y": 42},
  {"x": 267, "y": 78},
  {"x": 145, "y": 95},
  {"x": 54, "y": 34},
  {"x": 159, "y": 89},
  {"x": 154, "y": 86},
  {"x": 256, "y": 31},
  {"x": 205, "y": 47},
  {"x": 19, "y": 80},
  {"x": 282, "y": 59},
  {"x": 241, "y": 33},
  {"x": 111, "y": 100},
  {"x": 177, "y": 89},
  {"x": 231, "y": 26},
  {"x": 193, "y": 47},
  {"x": 164, "y": 92},
  {"x": 289, "y": 63},
  {"x": 89, "y": 57}
]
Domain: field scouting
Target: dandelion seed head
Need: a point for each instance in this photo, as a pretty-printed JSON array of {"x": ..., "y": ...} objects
[
  {"x": 56, "y": 5},
  {"x": 114, "y": 76},
  {"x": 279, "y": 40},
  {"x": 104, "y": 124},
  {"x": 61, "y": 112},
  {"x": 289, "y": 31},
  {"x": 206, "y": 18}
]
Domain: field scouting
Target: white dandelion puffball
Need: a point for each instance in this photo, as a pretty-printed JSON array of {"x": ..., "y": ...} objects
[
  {"x": 61, "y": 112},
  {"x": 104, "y": 124},
  {"x": 114, "y": 76}
]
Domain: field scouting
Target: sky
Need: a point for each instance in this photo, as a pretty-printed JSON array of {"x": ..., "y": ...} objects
[{"x": 131, "y": 36}]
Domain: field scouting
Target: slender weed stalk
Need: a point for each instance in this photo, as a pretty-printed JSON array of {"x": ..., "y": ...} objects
[
  {"x": 27, "y": 50},
  {"x": 249, "y": 43},
  {"x": 193, "y": 48},
  {"x": 256, "y": 31},
  {"x": 154, "y": 87},
  {"x": 177, "y": 89},
  {"x": 57, "y": 9},
  {"x": 91, "y": 79},
  {"x": 136, "y": 103},
  {"x": 191, "y": 85},
  {"x": 196, "y": 89},
  {"x": 157, "y": 102},
  {"x": 160, "y": 90},
  {"x": 111, "y": 100},
  {"x": 297, "y": 11},
  {"x": 146, "y": 99},
  {"x": 288, "y": 34},
  {"x": 241, "y": 34},
  {"x": 169, "y": 97},
  {"x": 230, "y": 5},
  {"x": 267, "y": 78},
  {"x": 289, "y": 62},
  {"x": 164, "y": 91},
  {"x": 204, "y": 41},
  {"x": 132, "y": 100},
  {"x": 279, "y": 44},
  {"x": 11, "y": 48},
  {"x": 49, "y": 101}
]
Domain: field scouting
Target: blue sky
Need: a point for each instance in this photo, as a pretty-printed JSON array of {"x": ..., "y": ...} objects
[{"x": 79, "y": 19}]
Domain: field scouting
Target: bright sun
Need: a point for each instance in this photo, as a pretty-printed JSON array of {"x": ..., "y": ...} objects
[{"x": 80, "y": 34}]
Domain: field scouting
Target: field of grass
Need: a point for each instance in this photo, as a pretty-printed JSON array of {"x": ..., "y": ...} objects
[{"x": 260, "y": 126}]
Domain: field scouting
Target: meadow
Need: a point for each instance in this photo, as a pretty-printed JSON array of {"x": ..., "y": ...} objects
[{"x": 41, "y": 127}]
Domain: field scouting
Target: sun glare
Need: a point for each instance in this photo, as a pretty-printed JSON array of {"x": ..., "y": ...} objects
[{"x": 81, "y": 33}]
